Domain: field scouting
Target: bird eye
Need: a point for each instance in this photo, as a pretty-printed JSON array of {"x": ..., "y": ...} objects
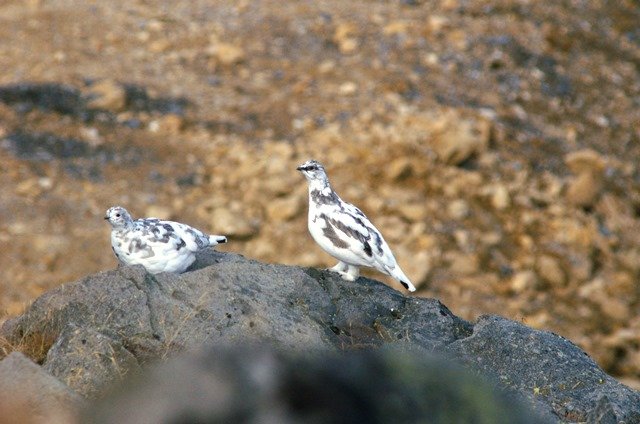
[{"x": 117, "y": 215}]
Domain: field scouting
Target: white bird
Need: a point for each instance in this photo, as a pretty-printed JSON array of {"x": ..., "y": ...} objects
[
  {"x": 344, "y": 232},
  {"x": 159, "y": 246}
]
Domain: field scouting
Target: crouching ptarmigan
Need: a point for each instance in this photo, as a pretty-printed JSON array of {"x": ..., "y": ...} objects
[
  {"x": 344, "y": 232},
  {"x": 159, "y": 246}
]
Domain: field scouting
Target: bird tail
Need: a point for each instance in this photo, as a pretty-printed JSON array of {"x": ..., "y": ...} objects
[
  {"x": 404, "y": 280},
  {"x": 214, "y": 240}
]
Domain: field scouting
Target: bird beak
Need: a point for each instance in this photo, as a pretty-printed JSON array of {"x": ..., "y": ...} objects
[
  {"x": 106, "y": 217},
  {"x": 300, "y": 168}
]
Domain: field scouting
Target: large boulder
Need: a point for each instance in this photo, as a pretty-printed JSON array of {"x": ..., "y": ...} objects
[{"x": 93, "y": 332}]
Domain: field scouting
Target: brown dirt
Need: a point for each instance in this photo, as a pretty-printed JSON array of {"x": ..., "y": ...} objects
[{"x": 495, "y": 144}]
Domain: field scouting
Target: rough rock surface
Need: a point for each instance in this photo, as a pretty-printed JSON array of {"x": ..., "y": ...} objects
[
  {"x": 93, "y": 332},
  {"x": 67, "y": 359},
  {"x": 555, "y": 371}
]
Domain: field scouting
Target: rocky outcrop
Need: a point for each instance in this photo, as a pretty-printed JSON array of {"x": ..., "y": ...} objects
[{"x": 94, "y": 332}]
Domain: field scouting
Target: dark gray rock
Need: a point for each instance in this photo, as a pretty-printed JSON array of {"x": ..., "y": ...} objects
[
  {"x": 236, "y": 300},
  {"x": 603, "y": 413},
  {"x": 28, "y": 394},
  {"x": 109, "y": 302},
  {"x": 226, "y": 299},
  {"x": 548, "y": 370},
  {"x": 88, "y": 361},
  {"x": 254, "y": 384}
]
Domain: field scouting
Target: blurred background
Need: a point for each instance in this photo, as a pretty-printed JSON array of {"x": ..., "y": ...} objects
[{"x": 494, "y": 143}]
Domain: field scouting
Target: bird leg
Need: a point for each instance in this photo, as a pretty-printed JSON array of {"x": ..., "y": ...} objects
[
  {"x": 340, "y": 267},
  {"x": 352, "y": 274},
  {"x": 346, "y": 271}
]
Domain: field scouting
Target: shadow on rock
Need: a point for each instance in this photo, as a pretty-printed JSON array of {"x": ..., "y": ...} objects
[{"x": 68, "y": 100}]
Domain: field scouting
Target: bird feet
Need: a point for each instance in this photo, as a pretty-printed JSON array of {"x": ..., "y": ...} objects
[{"x": 346, "y": 271}]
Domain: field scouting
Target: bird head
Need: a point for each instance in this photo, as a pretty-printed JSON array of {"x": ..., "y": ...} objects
[
  {"x": 313, "y": 170},
  {"x": 118, "y": 217}
]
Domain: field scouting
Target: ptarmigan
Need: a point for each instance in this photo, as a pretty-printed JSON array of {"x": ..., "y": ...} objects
[
  {"x": 159, "y": 246},
  {"x": 344, "y": 232}
]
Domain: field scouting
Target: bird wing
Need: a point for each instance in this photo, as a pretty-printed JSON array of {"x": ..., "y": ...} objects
[
  {"x": 352, "y": 222},
  {"x": 164, "y": 236},
  {"x": 195, "y": 239}
]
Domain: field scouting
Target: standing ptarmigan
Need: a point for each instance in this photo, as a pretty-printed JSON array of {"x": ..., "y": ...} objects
[
  {"x": 159, "y": 246},
  {"x": 344, "y": 232}
]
